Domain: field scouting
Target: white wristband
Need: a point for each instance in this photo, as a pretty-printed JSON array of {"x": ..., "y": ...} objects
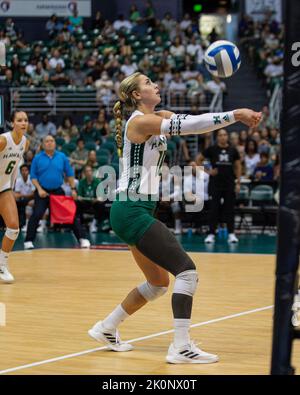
[{"x": 184, "y": 124}]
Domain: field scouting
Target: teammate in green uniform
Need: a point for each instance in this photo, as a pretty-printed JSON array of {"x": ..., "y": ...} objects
[{"x": 154, "y": 248}]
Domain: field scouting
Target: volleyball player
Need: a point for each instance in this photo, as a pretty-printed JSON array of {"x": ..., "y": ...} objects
[
  {"x": 154, "y": 248},
  {"x": 12, "y": 147}
]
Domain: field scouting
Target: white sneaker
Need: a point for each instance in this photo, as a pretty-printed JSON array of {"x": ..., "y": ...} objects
[
  {"x": 5, "y": 275},
  {"x": 189, "y": 354},
  {"x": 109, "y": 337},
  {"x": 85, "y": 243},
  {"x": 178, "y": 231},
  {"x": 232, "y": 238},
  {"x": 296, "y": 311},
  {"x": 28, "y": 245},
  {"x": 209, "y": 238}
]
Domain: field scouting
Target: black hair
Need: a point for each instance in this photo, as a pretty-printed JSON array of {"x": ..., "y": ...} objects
[
  {"x": 247, "y": 146},
  {"x": 24, "y": 165}
]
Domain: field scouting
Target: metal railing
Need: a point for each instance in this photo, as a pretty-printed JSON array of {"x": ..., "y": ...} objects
[
  {"x": 65, "y": 99},
  {"x": 275, "y": 105}
]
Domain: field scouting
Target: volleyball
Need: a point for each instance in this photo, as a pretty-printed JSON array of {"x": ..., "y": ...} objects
[{"x": 222, "y": 58}]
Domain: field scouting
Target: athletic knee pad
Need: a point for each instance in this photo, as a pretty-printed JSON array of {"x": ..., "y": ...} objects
[
  {"x": 150, "y": 292},
  {"x": 186, "y": 283},
  {"x": 12, "y": 234}
]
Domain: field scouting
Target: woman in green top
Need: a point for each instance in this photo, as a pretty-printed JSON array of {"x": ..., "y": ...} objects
[{"x": 154, "y": 248}]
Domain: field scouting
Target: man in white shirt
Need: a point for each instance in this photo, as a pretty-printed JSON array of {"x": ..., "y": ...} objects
[
  {"x": 122, "y": 23},
  {"x": 56, "y": 59},
  {"x": 128, "y": 68},
  {"x": 24, "y": 192}
]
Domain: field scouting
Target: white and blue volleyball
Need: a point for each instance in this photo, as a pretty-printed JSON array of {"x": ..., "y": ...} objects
[{"x": 222, "y": 58}]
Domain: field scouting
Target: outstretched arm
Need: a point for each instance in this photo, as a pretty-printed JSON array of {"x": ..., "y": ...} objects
[{"x": 181, "y": 124}]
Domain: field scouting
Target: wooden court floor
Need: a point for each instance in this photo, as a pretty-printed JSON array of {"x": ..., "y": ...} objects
[{"x": 59, "y": 294}]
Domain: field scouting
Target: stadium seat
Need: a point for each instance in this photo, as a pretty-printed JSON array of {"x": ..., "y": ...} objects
[
  {"x": 90, "y": 145},
  {"x": 103, "y": 152},
  {"x": 69, "y": 148},
  {"x": 109, "y": 146},
  {"x": 102, "y": 160},
  {"x": 262, "y": 194},
  {"x": 60, "y": 141}
]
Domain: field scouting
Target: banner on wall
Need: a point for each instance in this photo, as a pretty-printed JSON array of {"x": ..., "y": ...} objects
[
  {"x": 44, "y": 8},
  {"x": 259, "y": 8}
]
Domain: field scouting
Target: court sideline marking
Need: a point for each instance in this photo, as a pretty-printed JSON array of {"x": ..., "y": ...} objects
[{"x": 68, "y": 356}]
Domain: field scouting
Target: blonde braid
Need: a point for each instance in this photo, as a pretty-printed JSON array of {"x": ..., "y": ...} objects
[{"x": 118, "y": 114}]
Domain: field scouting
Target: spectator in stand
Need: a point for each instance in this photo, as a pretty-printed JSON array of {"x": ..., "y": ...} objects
[
  {"x": 38, "y": 75},
  {"x": 92, "y": 160},
  {"x": 24, "y": 192},
  {"x": 67, "y": 130},
  {"x": 87, "y": 201},
  {"x": 128, "y": 68},
  {"x": 177, "y": 49},
  {"x": 79, "y": 157},
  {"x": 186, "y": 22},
  {"x": 177, "y": 89},
  {"x": 88, "y": 132},
  {"x": 215, "y": 85},
  {"x": 140, "y": 29},
  {"x": 76, "y": 21},
  {"x": 168, "y": 22},
  {"x": 263, "y": 170},
  {"x": 31, "y": 67},
  {"x": 95, "y": 74},
  {"x": 134, "y": 14},
  {"x": 45, "y": 127},
  {"x": 104, "y": 88},
  {"x": 226, "y": 167},
  {"x": 251, "y": 157},
  {"x": 98, "y": 21},
  {"x": 58, "y": 77},
  {"x": 56, "y": 59},
  {"x": 29, "y": 155},
  {"x": 149, "y": 14},
  {"x": 122, "y": 24},
  {"x": 53, "y": 26},
  {"x": 34, "y": 140},
  {"x": 76, "y": 75},
  {"x": 47, "y": 175},
  {"x": 101, "y": 125}
]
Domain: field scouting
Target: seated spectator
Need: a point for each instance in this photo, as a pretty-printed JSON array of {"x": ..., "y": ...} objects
[
  {"x": 124, "y": 48},
  {"x": 134, "y": 14},
  {"x": 149, "y": 14},
  {"x": 76, "y": 75},
  {"x": 34, "y": 140},
  {"x": 128, "y": 68},
  {"x": 104, "y": 88},
  {"x": 95, "y": 74},
  {"x": 88, "y": 132},
  {"x": 251, "y": 157},
  {"x": 263, "y": 170},
  {"x": 52, "y": 26},
  {"x": 79, "y": 157},
  {"x": 31, "y": 66},
  {"x": 177, "y": 49},
  {"x": 177, "y": 89},
  {"x": 140, "y": 29},
  {"x": 75, "y": 21},
  {"x": 38, "y": 75},
  {"x": 92, "y": 160},
  {"x": 87, "y": 201},
  {"x": 58, "y": 77},
  {"x": 98, "y": 21},
  {"x": 67, "y": 130},
  {"x": 45, "y": 127},
  {"x": 29, "y": 155},
  {"x": 101, "y": 124},
  {"x": 79, "y": 53},
  {"x": 215, "y": 85},
  {"x": 168, "y": 22},
  {"x": 186, "y": 22},
  {"x": 24, "y": 192},
  {"x": 56, "y": 59},
  {"x": 122, "y": 24}
]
